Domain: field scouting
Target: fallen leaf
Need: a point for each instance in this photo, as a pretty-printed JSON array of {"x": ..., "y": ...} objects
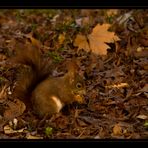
[
  {"x": 14, "y": 109},
  {"x": 54, "y": 19},
  {"x": 61, "y": 38},
  {"x": 121, "y": 85},
  {"x": 13, "y": 123},
  {"x": 142, "y": 117},
  {"x": 81, "y": 42},
  {"x": 99, "y": 37},
  {"x": 145, "y": 88},
  {"x": 9, "y": 130},
  {"x": 123, "y": 18},
  {"x": 48, "y": 131},
  {"x": 112, "y": 12},
  {"x": 139, "y": 49},
  {"x": 79, "y": 21},
  {"x": 146, "y": 124},
  {"x": 2, "y": 57},
  {"x": 97, "y": 40},
  {"x": 9, "y": 91},
  {"x": 117, "y": 130},
  {"x": 29, "y": 136},
  {"x": 3, "y": 94},
  {"x": 143, "y": 37},
  {"x": 83, "y": 21}
]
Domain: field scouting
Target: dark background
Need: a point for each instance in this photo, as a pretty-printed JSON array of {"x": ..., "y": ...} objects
[{"x": 74, "y": 3}]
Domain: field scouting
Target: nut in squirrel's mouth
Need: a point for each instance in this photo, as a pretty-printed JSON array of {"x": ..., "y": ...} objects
[{"x": 79, "y": 97}]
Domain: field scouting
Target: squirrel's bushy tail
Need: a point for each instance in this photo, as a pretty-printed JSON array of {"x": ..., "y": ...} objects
[{"x": 36, "y": 71}]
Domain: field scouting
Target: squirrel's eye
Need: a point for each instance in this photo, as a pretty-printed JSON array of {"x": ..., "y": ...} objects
[{"x": 79, "y": 85}]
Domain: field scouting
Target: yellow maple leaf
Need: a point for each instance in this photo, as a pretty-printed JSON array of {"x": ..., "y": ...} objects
[
  {"x": 97, "y": 40},
  {"x": 81, "y": 42},
  {"x": 99, "y": 37}
]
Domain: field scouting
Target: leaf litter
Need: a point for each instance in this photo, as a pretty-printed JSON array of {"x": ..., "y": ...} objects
[
  {"x": 97, "y": 39},
  {"x": 112, "y": 56}
]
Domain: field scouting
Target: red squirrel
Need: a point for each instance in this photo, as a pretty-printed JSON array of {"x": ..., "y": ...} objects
[{"x": 48, "y": 94}]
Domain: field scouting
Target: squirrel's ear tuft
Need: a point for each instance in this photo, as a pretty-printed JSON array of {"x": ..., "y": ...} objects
[{"x": 72, "y": 68}]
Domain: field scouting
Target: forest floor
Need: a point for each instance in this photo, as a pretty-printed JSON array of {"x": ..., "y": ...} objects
[{"x": 112, "y": 48}]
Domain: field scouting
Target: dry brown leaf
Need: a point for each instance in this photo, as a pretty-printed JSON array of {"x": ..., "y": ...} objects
[
  {"x": 9, "y": 130},
  {"x": 112, "y": 12},
  {"x": 143, "y": 37},
  {"x": 121, "y": 85},
  {"x": 145, "y": 88},
  {"x": 29, "y": 136},
  {"x": 83, "y": 21},
  {"x": 2, "y": 57},
  {"x": 117, "y": 130},
  {"x": 81, "y": 42},
  {"x": 144, "y": 117},
  {"x": 99, "y": 37},
  {"x": 14, "y": 109},
  {"x": 61, "y": 38},
  {"x": 3, "y": 94}
]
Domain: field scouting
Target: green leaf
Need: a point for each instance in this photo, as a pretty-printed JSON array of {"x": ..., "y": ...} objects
[
  {"x": 146, "y": 124},
  {"x": 48, "y": 131}
]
